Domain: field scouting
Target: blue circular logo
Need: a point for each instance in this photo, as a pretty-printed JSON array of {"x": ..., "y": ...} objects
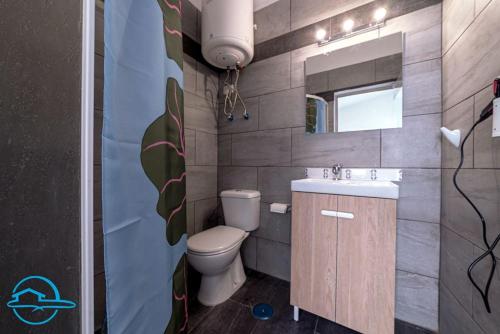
[{"x": 36, "y": 300}]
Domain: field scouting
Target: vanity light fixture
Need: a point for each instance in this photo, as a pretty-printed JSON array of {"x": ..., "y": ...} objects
[
  {"x": 320, "y": 35},
  {"x": 349, "y": 29},
  {"x": 380, "y": 14},
  {"x": 348, "y": 25}
]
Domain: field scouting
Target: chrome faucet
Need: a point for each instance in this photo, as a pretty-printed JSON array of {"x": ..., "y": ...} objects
[{"x": 336, "y": 170}]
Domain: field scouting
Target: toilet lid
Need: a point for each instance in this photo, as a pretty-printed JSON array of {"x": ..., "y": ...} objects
[{"x": 216, "y": 239}]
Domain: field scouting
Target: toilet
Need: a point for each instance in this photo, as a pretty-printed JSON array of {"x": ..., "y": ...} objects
[{"x": 215, "y": 252}]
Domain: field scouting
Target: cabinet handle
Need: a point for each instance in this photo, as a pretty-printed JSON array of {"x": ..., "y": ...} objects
[{"x": 339, "y": 214}]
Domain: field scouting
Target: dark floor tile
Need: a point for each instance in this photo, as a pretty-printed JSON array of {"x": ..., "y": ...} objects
[
  {"x": 234, "y": 316},
  {"x": 406, "y": 328},
  {"x": 197, "y": 313},
  {"x": 244, "y": 322},
  {"x": 258, "y": 288},
  {"x": 229, "y": 317},
  {"x": 282, "y": 320},
  {"x": 328, "y": 327}
]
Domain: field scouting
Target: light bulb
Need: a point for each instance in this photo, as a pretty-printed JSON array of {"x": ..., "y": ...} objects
[
  {"x": 320, "y": 34},
  {"x": 380, "y": 14},
  {"x": 348, "y": 25}
]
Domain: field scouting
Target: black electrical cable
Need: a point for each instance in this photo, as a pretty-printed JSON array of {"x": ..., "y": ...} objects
[{"x": 487, "y": 112}]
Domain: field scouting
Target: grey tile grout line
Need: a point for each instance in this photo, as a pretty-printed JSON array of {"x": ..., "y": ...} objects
[
  {"x": 270, "y": 93},
  {"x": 417, "y": 221},
  {"x": 201, "y": 130},
  {"x": 465, "y": 30},
  {"x": 422, "y": 61},
  {"x": 258, "y": 111},
  {"x": 473, "y": 132},
  {"x": 474, "y": 243},
  {"x": 279, "y": 242},
  {"x": 323, "y": 166},
  {"x": 414, "y": 273},
  {"x": 460, "y": 303},
  {"x": 257, "y": 130},
  {"x": 380, "y": 147},
  {"x": 272, "y": 240},
  {"x": 325, "y": 134},
  {"x": 200, "y": 165},
  {"x": 256, "y": 257},
  {"x": 195, "y": 147},
  {"x": 316, "y": 325},
  {"x": 465, "y": 98}
]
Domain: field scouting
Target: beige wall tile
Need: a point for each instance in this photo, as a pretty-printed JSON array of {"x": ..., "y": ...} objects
[
  {"x": 472, "y": 63},
  {"x": 201, "y": 182},
  {"x": 265, "y": 76},
  {"x": 422, "y": 88},
  {"x": 262, "y": 148},
  {"x": 353, "y": 149},
  {"x": 417, "y": 144},
  {"x": 457, "y": 16},
  {"x": 282, "y": 109},
  {"x": 272, "y": 21},
  {"x": 206, "y": 149},
  {"x": 459, "y": 117},
  {"x": 418, "y": 247},
  {"x": 417, "y": 299}
]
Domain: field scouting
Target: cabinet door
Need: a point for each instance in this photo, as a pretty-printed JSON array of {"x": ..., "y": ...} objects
[
  {"x": 366, "y": 265},
  {"x": 314, "y": 254}
]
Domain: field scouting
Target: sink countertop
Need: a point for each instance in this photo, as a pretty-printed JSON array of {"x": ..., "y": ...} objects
[{"x": 379, "y": 189}]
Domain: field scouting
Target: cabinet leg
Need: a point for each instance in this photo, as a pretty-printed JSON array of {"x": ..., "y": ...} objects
[{"x": 295, "y": 313}]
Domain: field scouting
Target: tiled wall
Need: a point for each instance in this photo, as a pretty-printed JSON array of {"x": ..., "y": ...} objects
[
  {"x": 271, "y": 149},
  {"x": 285, "y": 16},
  {"x": 471, "y": 53},
  {"x": 200, "y": 113},
  {"x": 40, "y": 119}
]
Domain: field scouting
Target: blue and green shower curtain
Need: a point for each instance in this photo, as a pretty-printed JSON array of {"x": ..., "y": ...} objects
[{"x": 144, "y": 176}]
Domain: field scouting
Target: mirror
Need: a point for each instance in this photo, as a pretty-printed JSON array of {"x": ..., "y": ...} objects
[{"x": 356, "y": 88}]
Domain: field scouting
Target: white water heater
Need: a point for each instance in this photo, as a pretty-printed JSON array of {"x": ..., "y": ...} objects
[{"x": 227, "y": 32}]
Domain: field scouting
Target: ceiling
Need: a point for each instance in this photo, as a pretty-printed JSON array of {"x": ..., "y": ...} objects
[{"x": 257, "y": 4}]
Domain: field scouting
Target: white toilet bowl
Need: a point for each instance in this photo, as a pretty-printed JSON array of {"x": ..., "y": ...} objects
[{"x": 215, "y": 253}]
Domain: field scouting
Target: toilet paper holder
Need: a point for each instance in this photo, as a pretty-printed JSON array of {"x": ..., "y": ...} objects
[{"x": 281, "y": 208}]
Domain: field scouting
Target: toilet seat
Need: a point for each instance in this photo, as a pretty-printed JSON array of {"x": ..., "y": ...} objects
[{"x": 216, "y": 240}]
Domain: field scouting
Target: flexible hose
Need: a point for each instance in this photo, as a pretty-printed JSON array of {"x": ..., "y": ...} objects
[
  {"x": 484, "y": 294},
  {"x": 232, "y": 95}
]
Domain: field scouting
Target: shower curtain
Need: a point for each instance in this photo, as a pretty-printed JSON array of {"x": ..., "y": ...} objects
[{"x": 144, "y": 177}]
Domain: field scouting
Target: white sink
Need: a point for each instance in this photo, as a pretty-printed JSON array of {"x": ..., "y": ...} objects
[{"x": 380, "y": 189}]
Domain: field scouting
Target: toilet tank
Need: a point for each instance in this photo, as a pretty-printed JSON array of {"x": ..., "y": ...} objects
[{"x": 241, "y": 208}]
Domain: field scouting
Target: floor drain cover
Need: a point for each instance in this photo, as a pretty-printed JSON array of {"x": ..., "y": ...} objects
[{"x": 262, "y": 311}]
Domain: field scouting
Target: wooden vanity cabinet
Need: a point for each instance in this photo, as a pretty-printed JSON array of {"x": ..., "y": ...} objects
[{"x": 344, "y": 259}]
